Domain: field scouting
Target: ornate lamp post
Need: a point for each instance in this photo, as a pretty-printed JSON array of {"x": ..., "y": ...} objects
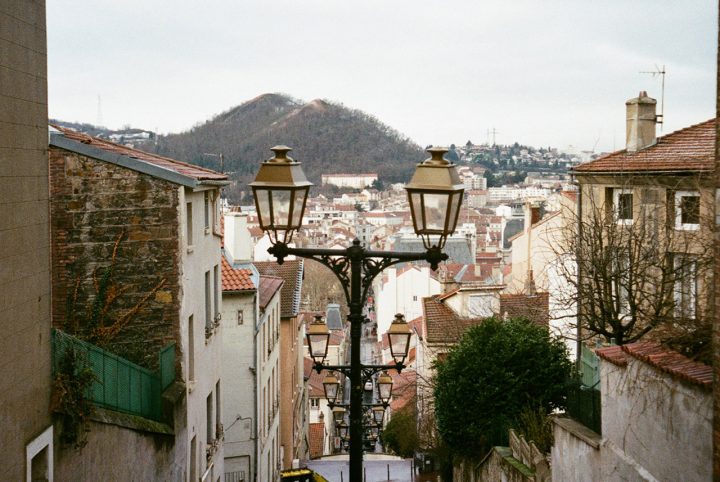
[{"x": 435, "y": 195}]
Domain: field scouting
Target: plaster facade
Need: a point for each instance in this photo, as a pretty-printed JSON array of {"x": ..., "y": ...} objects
[{"x": 24, "y": 244}]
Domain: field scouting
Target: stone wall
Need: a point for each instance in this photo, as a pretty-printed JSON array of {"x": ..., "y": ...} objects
[
  {"x": 101, "y": 212},
  {"x": 24, "y": 235}
]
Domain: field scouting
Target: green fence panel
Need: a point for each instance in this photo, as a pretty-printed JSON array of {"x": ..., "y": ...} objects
[
  {"x": 121, "y": 385},
  {"x": 583, "y": 404},
  {"x": 167, "y": 365},
  {"x": 590, "y": 367}
]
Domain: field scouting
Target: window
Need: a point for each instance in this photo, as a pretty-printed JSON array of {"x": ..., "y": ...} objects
[
  {"x": 315, "y": 403},
  {"x": 687, "y": 210},
  {"x": 621, "y": 282},
  {"x": 39, "y": 457},
  {"x": 188, "y": 225},
  {"x": 191, "y": 348},
  {"x": 207, "y": 212},
  {"x": 623, "y": 206},
  {"x": 685, "y": 288},
  {"x": 208, "y": 302},
  {"x": 216, "y": 291},
  {"x": 240, "y": 316},
  {"x": 210, "y": 435},
  {"x": 218, "y": 416},
  {"x": 414, "y": 297}
]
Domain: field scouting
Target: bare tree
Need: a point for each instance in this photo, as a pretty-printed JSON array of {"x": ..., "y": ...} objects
[{"x": 642, "y": 261}]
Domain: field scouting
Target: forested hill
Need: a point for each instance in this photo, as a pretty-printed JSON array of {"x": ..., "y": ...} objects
[{"x": 327, "y": 137}]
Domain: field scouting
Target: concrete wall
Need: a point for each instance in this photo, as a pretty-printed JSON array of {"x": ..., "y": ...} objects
[
  {"x": 195, "y": 260},
  {"x": 575, "y": 453},
  {"x": 268, "y": 363},
  {"x": 238, "y": 371},
  {"x": 24, "y": 233},
  {"x": 653, "y": 423}
]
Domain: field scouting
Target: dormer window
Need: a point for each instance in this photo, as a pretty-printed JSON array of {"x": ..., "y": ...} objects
[{"x": 687, "y": 210}]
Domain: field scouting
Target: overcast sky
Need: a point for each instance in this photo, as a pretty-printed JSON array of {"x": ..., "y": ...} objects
[{"x": 540, "y": 72}]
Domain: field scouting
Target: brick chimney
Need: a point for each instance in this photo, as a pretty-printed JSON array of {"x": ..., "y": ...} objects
[
  {"x": 640, "y": 122},
  {"x": 237, "y": 240}
]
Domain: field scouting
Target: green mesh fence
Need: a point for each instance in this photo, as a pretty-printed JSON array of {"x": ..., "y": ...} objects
[{"x": 121, "y": 385}]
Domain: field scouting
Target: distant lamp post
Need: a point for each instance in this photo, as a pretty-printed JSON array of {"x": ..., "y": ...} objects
[
  {"x": 399, "y": 337},
  {"x": 384, "y": 384},
  {"x": 378, "y": 415},
  {"x": 318, "y": 337},
  {"x": 330, "y": 386},
  {"x": 338, "y": 414},
  {"x": 435, "y": 193},
  {"x": 280, "y": 190},
  {"x": 343, "y": 430}
]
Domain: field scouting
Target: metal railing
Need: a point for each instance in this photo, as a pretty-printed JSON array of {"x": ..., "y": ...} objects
[
  {"x": 119, "y": 384},
  {"x": 583, "y": 404},
  {"x": 237, "y": 476}
]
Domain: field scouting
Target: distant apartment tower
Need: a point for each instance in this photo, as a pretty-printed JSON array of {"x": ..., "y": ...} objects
[{"x": 355, "y": 181}]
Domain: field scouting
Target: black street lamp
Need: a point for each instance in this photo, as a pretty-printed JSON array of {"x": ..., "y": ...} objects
[
  {"x": 435, "y": 195},
  {"x": 399, "y": 338},
  {"x": 330, "y": 386}
]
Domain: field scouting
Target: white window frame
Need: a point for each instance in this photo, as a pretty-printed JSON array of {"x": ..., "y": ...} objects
[
  {"x": 616, "y": 193},
  {"x": 679, "y": 225},
  {"x": 44, "y": 440}
]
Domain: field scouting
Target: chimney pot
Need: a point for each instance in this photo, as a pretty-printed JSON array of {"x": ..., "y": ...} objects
[{"x": 640, "y": 122}]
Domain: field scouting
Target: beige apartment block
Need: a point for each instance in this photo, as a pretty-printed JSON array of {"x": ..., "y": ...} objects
[{"x": 27, "y": 436}]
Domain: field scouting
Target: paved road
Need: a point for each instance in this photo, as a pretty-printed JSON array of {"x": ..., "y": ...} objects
[{"x": 374, "y": 470}]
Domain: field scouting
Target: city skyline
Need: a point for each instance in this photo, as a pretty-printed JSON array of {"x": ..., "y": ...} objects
[{"x": 556, "y": 74}]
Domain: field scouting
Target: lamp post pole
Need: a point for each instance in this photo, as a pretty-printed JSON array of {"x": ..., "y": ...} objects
[{"x": 435, "y": 194}]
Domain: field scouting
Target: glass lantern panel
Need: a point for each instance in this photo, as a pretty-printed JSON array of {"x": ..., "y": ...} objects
[
  {"x": 454, "y": 203},
  {"x": 318, "y": 345},
  {"x": 262, "y": 196},
  {"x": 331, "y": 390},
  {"x": 385, "y": 389},
  {"x": 435, "y": 209},
  {"x": 416, "y": 206},
  {"x": 281, "y": 207},
  {"x": 399, "y": 345},
  {"x": 298, "y": 205}
]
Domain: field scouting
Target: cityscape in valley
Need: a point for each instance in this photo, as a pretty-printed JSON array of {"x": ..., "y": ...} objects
[{"x": 296, "y": 291}]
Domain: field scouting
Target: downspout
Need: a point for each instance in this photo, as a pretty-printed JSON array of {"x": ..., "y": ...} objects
[
  {"x": 578, "y": 341},
  {"x": 253, "y": 369}
]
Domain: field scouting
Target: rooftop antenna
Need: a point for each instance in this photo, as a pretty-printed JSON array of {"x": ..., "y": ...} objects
[
  {"x": 99, "y": 112},
  {"x": 661, "y": 72}
]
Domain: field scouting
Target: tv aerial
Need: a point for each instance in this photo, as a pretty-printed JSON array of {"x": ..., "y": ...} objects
[{"x": 659, "y": 72}]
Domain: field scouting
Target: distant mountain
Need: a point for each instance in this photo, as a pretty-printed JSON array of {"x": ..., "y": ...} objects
[{"x": 327, "y": 137}]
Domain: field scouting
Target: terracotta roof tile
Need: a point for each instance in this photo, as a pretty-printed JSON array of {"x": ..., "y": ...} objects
[
  {"x": 183, "y": 168},
  {"x": 292, "y": 272},
  {"x": 533, "y": 307},
  {"x": 614, "y": 354},
  {"x": 236, "y": 279},
  {"x": 404, "y": 389},
  {"x": 269, "y": 285},
  {"x": 672, "y": 362},
  {"x": 442, "y": 324},
  {"x": 689, "y": 149}
]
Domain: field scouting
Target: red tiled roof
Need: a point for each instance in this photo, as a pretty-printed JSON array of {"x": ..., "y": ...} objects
[
  {"x": 291, "y": 271},
  {"x": 671, "y": 362},
  {"x": 316, "y": 439},
  {"x": 533, "y": 307},
  {"x": 404, "y": 389},
  {"x": 689, "y": 149},
  {"x": 442, "y": 324},
  {"x": 269, "y": 285},
  {"x": 236, "y": 279},
  {"x": 665, "y": 360},
  {"x": 183, "y": 168}
]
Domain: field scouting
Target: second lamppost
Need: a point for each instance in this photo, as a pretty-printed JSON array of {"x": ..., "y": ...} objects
[{"x": 435, "y": 194}]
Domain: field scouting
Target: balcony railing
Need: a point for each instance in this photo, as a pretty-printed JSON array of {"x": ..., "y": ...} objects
[{"x": 120, "y": 384}]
